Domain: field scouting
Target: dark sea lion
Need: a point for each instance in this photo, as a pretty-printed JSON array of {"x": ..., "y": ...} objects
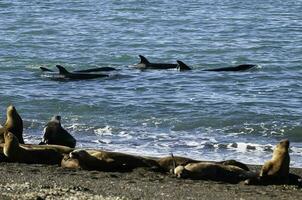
[
  {"x": 78, "y": 76},
  {"x": 2, "y": 130},
  {"x": 98, "y": 69},
  {"x": 15, "y": 153},
  {"x": 54, "y": 133},
  {"x": 3, "y": 158},
  {"x": 168, "y": 163},
  {"x": 14, "y": 123},
  {"x": 108, "y": 161},
  {"x": 213, "y": 171},
  {"x": 145, "y": 64},
  {"x": 182, "y": 67}
]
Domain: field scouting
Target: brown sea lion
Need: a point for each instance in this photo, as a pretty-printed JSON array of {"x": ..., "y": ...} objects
[
  {"x": 14, "y": 123},
  {"x": 57, "y": 148},
  {"x": 276, "y": 170},
  {"x": 213, "y": 171},
  {"x": 15, "y": 153},
  {"x": 110, "y": 161},
  {"x": 168, "y": 163},
  {"x": 54, "y": 133}
]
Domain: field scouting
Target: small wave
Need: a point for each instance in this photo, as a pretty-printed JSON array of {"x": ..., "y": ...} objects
[{"x": 107, "y": 130}]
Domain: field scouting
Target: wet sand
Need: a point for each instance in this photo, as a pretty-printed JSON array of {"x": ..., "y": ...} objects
[{"x": 22, "y": 181}]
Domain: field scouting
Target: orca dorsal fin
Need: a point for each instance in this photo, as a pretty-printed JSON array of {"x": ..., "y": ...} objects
[
  {"x": 44, "y": 69},
  {"x": 182, "y": 66},
  {"x": 143, "y": 60},
  {"x": 62, "y": 70}
]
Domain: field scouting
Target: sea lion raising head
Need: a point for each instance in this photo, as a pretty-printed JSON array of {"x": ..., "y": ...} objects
[
  {"x": 276, "y": 170},
  {"x": 278, "y": 167},
  {"x": 14, "y": 123},
  {"x": 54, "y": 133}
]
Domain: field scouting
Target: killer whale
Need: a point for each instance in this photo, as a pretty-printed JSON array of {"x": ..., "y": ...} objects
[
  {"x": 145, "y": 64},
  {"x": 99, "y": 69},
  {"x": 182, "y": 67},
  {"x": 78, "y": 75}
]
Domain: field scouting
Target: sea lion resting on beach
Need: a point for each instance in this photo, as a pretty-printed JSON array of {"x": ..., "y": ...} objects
[
  {"x": 15, "y": 153},
  {"x": 213, "y": 171},
  {"x": 170, "y": 162},
  {"x": 58, "y": 148},
  {"x": 54, "y": 133},
  {"x": 13, "y": 124},
  {"x": 105, "y": 161}
]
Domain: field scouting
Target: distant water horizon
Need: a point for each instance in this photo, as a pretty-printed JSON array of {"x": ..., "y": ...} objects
[{"x": 203, "y": 115}]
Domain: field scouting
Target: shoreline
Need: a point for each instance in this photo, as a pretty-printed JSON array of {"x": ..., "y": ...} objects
[{"x": 24, "y": 181}]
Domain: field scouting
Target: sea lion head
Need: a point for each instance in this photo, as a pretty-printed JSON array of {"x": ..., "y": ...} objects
[
  {"x": 11, "y": 143},
  {"x": 78, "y": 154},
  {"x": 56, "y": 118},
  {"x": 11, "y": 110},
  {"x": 181, "y": 172},
  {"x": 284, "y": 144},
  {"x": 68, "y": 162}
]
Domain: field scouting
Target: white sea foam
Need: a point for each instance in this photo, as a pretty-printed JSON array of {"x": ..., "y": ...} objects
[{"x": 107, "y": 130}]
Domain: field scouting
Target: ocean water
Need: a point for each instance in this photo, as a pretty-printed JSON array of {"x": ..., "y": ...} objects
[{"x": 203, "y": 115}]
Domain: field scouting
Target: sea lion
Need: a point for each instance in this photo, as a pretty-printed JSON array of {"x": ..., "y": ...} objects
[
  {"x": 108, "y": 161},
  {"x": 168, "y": 163},
  {"x": 213, "y": 171},
  {"x": 58, "y": 148},
  {"x": 183, "y": 67},
  {"x": 14, "y": 123},
  {"x": 98, "y": 69},
  {"x": 54, "y": 133},
  {"x": 15, "y": 153},
  {"x": 70, "y": 163},
  {"x": 278, "y": 166},
  {"x": 145, "y": 64},
  {"x": 276, "y": 170}
]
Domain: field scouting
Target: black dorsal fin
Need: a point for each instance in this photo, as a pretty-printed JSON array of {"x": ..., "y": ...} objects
[
  {"x": 182, "y": 66},
  {"x": 62, "y": 70},
  {"x": 44, "y": 69},
  {"x": 143, "y": 60}
]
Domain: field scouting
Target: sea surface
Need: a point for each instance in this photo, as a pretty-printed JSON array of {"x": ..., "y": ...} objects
[{"x": 203, "y": 115}]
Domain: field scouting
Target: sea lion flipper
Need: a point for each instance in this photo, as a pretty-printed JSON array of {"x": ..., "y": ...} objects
[
  {"x": 62, "y": 70},
  {"x": 143, "y": 60},
  {"x": 182, "y": 66}
]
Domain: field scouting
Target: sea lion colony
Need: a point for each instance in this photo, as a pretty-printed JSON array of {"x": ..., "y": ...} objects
[{"x": 61, "y": 151}]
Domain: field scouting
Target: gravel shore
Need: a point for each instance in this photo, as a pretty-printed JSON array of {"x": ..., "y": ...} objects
[{"x": 22, "y": 181}]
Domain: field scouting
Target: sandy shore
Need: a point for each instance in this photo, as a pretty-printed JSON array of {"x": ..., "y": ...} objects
[{"x": 22, "y": 181}]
